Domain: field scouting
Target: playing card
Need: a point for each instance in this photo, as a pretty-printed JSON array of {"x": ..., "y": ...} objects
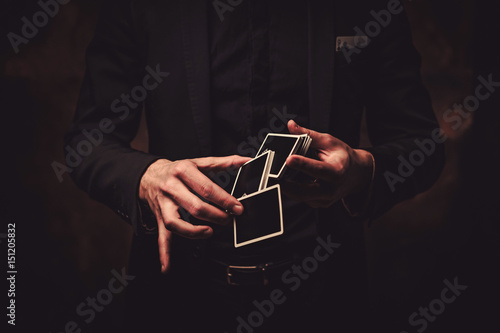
[
  {"x": 283, "y": 145},
  {"x": 252, "y": 176},
  {"x": 262, "y": 217}
]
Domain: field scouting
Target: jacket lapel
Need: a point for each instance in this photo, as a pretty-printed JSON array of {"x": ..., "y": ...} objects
[
  {"x": 197, "y": 65},
  {"x": 321, "y": 63}
]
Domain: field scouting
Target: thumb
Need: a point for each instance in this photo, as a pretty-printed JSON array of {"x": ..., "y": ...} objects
[
  {"x": 319, "y": 140},
  {"x": 220, "y": 163}
]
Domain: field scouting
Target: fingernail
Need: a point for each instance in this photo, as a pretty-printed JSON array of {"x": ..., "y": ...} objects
[
  {"x": 237, "y": 209},
  {"x": 207, "y": 232}
]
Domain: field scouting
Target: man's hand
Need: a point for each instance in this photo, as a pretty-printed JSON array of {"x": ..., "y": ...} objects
[
  {"x": 341, "y": 170},
  {"x": 166, "y": 186}
]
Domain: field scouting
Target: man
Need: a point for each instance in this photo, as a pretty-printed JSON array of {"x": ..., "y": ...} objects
[{"x": 212, "y": 76}]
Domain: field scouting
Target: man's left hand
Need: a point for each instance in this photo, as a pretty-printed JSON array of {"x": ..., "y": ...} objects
[{"x": 339, "y": 172}]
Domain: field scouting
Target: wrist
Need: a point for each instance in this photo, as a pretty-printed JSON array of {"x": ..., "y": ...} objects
[
  {"x": 364, "y": 167},
  {"x": 357, "y": 202},
  {"x": 147, "y": 218},
  {"x": 151, "y": 177}
]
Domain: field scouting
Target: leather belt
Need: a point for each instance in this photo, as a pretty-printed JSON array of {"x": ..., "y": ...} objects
[{"x": 260, "y": 274}]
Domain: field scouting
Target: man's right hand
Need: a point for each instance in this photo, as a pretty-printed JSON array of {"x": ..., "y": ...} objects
[{"x": 168, "y": 185}]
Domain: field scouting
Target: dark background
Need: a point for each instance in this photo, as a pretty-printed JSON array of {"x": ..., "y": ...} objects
[{"x": 68, "y": 244}]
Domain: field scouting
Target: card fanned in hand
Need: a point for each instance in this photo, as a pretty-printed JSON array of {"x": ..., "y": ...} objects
[{"x": 262, "y": 217}]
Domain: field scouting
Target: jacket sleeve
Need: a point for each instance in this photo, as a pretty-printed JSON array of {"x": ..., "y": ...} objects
[
  {"x": 97, "y": 146},
  {"x": 402, "y": 127}
]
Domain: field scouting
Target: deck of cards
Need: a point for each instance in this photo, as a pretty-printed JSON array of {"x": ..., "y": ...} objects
[{"x": 262, "y": 217}]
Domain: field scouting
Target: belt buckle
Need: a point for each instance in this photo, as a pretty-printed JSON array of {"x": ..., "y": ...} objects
[{"x": 262, "y": 268}]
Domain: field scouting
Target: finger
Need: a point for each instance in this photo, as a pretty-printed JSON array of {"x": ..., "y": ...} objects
[
  {"x": 314, "y": 168},
  {"x": 213, "y": 193},
  {"x": 183, "y": 197},
  {"x": 164, "y": 238},
  {"x": 206, "y": 188},
  {"x": 305, "y": 192},
  {"x": 220, "y": 163},
  {"x": 173, "y": 222},
  {"x": 319, "y": 140}
]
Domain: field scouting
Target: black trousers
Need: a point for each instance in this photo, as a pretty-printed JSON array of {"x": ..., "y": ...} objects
[{"x": 332, "y": 298}]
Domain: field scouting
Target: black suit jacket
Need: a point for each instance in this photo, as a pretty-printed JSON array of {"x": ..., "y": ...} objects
[{"x": 383, "y": 78}]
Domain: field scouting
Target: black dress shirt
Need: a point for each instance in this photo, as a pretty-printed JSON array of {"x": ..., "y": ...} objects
[{"x": 258, "y": 62}]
